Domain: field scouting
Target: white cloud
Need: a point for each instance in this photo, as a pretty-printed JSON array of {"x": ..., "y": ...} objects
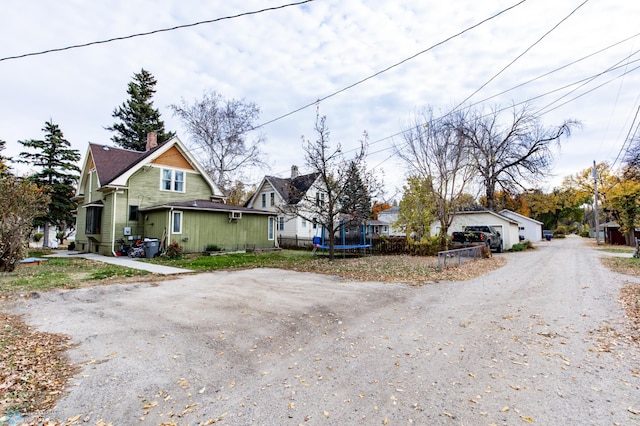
[{"x": 285, "y": 59}]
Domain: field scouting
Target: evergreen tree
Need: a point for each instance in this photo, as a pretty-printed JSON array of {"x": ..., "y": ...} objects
[
  {"x": 4, "y": 167},
  {"x": 137, "y": 115},
  {"x": 57, "y": 172},
  {"x": 355, "y": 200}
]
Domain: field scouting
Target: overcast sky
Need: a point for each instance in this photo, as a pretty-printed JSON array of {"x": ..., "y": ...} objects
[{"x": 288, "y": 58}]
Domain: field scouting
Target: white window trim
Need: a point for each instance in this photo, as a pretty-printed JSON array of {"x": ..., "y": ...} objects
[
  {"x": 173, "y": 180},
  {"x": 271, "y": 229},
  {"x": 173, "y": 213}
]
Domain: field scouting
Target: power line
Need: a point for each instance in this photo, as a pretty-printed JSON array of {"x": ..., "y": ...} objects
[
  {"x": 522, "y": 54},
  {"x": 628, "y": 139},
  {"x": 391, "y": 66},
  {"x": 162, "y": 30}
]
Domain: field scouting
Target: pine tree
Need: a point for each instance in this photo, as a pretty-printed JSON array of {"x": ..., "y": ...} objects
[
  {"x": 137, "y": 115},
  {"x": 57, "y": 172},
  {"x": 355, "y": 200},
  {"x": 4, "y": 167}
]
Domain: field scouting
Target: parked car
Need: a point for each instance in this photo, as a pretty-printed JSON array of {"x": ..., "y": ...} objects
[{"x": 479, "y": 234}]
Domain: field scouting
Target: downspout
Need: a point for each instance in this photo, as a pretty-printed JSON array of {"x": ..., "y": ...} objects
[
  {"x": 113, "y": 225},
  {"x": 169, "y": 228}
]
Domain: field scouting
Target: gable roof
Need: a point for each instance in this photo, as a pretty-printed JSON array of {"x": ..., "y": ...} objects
[
  {"x": 110, "y": 162},
  {"x": 491, "y": 212},
  {"x": 510, "y": 212},
  {"x": 291, "y": 190},
  {"x": 114, "y": 166}
]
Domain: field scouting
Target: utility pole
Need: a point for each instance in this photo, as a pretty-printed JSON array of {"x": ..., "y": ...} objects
[{"x": 595, "y": 202}]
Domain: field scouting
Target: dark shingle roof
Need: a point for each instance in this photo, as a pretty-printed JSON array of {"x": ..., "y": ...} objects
[
  {"x": 293, "y": 190},
  {"x": 111, "y": 162}
]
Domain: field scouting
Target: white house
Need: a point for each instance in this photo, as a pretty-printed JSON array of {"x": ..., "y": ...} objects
[
  {"x": 390, "y": 216},
  {"x": 529, "y": 229},
  {"x": 284, "y": 194},
  {"x": 507, "y": 227}
]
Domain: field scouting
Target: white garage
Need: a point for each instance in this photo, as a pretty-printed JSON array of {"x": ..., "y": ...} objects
[{"x": 507, "y": 227}]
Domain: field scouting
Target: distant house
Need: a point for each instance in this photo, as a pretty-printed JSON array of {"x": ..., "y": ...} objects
[
  {"x": 507, "y": 227},
  {"x": 377, "y": 228},
  {"x": 390, "y": 216},
  {"x": 282, "y": 196},
  {"x": 529, "y": 229},
  {"x": 161, "y": 193}
]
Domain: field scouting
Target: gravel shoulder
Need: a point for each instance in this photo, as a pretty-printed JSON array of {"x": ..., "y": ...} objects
[{"x": 540, "y": 340}]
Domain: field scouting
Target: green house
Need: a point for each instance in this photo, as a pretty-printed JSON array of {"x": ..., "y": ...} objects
[{"x": 164, "y": 194}]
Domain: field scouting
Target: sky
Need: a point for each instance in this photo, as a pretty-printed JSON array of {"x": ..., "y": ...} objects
[{"x": 565, "y": 59}]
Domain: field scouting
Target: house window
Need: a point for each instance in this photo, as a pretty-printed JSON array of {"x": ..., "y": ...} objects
[
  {"x": 319, "y": 199},
  {"x": 304, "y": 223},
  {"x": 176, "y": 222},
  {"x": 270, "y": 232},
  {"x": 281, "y": 223},
  {"x": 133, "y": 213},
  {"x": 273, "y": 199},
  {"x": 93, "y": 220},
  {"x": 264, "y": 200},
  {"x": 172, "y": 180}
]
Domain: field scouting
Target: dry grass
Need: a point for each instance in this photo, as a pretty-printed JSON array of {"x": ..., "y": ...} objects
[{"x": 412, "y": 270}]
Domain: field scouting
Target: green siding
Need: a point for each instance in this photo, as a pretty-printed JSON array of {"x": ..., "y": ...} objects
[
  {"x": 144, "y": 188},
  {"x": 202, "y": 228},
  {"x": 199, "y": 228}
]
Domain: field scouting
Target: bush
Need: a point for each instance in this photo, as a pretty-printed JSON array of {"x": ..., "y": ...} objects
[
  {"x": 519, "y": 247},
  {"x": 174, "y": 251},
  {"x": 560, "y": 230},
  {"x": 428, "y": 246},
  {"x": 584, "y": 234},
  {"x": 37, "y": 237}
]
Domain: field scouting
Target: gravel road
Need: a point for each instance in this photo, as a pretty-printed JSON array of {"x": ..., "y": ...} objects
[{"x": 536, "y": 341}]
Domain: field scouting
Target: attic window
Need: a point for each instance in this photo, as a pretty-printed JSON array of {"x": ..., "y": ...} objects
[{"x": 172, "y": 180}]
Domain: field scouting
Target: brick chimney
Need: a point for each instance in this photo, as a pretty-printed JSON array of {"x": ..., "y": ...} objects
[
  {"x": 152, "y": 141},
  {"x": 294, "y": 172}
]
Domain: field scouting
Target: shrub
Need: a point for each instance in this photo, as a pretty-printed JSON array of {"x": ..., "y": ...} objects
[
  {"x": 428, "y": 246},
  {"x": 519, "y": 247},
  {"x": 584, "y": 234},
  {"x": 37, "y": 237},
  {"x": 174, "y": 251},
  {"x": 560, "y": 230}
]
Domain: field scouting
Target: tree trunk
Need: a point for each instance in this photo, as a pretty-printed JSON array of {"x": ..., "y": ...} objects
[{"x": 45, "y": 237}]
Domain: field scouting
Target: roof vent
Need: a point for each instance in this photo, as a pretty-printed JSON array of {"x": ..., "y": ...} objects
[{"x": 106, "y": 148}]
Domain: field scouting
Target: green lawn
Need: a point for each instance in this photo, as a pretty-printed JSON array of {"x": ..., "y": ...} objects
[
  {"x": 56, "y": 272},
  {"x": 274, "y": 259}
]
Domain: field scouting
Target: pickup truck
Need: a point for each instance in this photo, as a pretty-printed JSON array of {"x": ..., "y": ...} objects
[{"x": 479, "y": 234}]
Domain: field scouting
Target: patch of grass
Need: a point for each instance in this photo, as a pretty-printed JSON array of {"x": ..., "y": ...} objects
[
  {"x": 612, "y": 249},
  {"x": 60, "y": 273},
  {"x": 623, "y": 265},
  {"x": 274, "y": 259}
]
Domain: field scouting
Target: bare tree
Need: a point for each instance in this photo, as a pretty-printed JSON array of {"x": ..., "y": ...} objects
[
  {"x": 435, "y": 150},
  {"x": 509, "y": 154},
  {"x": 221, "y": 128},
  {"x": 323, "y": 203}
]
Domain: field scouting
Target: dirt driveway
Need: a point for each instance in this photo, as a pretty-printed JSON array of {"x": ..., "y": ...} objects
[{"x": 534, "y": 342}]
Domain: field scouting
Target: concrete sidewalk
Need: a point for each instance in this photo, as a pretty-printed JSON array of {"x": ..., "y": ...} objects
[{"x": 126, "y": 262}]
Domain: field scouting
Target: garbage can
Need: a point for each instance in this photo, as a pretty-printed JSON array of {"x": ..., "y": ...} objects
[{"x": 151, "y": 246}]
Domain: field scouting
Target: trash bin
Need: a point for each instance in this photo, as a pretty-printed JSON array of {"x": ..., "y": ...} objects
[
  {"x": 547, "y": 237},
  {"x": 151, "y": 247}
]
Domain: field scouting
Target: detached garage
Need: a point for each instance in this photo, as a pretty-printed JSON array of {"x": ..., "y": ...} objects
[
  {"x": 530, "y": 229},
  {"x": 507, "y": 227}
]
